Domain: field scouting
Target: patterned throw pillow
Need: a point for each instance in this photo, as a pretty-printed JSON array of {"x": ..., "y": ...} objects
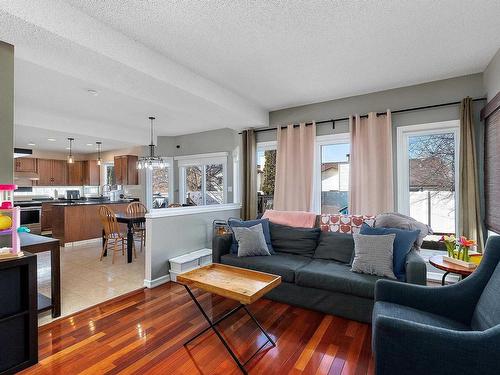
[{"x": 345, "y": 223}]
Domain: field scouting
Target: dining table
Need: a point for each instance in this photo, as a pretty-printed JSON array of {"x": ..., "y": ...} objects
[{"x": 130, "y": 220}]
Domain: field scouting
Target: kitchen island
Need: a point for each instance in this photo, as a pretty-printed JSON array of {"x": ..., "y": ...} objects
[{"x": 78, "y": 221}]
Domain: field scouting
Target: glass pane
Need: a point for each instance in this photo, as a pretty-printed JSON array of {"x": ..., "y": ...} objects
[
  {"x": 214, "y": 192},
  {"x": 334, "y": 178},
  {"x": 160, "y": 187},
  {"x": 194, "y": 186},
  {"x": 266, "y": 174},
  {"x": 432, "y": 180},
  {"x": 110, "y": 174}
]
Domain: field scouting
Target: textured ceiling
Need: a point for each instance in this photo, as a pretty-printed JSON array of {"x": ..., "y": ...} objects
[
  {"x": 201, "y": 65},
  {"x": 285, "y": 53}
]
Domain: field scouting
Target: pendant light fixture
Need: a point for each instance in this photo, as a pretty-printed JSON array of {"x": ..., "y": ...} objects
[
  {"x": 99, "y": 145},
  {"x": 151, "y": 161},
  {"x": 70, "y": 156}
]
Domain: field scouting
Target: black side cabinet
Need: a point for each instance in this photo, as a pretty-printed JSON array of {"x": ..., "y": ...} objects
[{"x": 18, "y": 314}]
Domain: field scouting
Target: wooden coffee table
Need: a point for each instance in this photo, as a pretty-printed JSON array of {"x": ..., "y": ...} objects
[
  {"x": 439, "y": 262},
  {"x": 239, "y": 284}
]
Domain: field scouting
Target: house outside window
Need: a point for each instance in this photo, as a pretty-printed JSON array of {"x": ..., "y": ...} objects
[
  {"x": 428, "y": 174},
  {"x": 158, "y": 185},
  {"x": 331, "y": 171},
  {"x": 203, "y": 179}
]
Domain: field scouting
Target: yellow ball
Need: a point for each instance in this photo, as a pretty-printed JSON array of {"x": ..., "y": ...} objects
[{"x": 5, "y": 222}]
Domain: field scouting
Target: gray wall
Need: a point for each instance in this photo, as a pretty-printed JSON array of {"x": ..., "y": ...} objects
[
  {"x": 444, "y": 91},
  {"x": 492, "y": 76},
  {"x": 6, "y": 112},
  {"x": 177, "y": 235},
  {"x": 200, "y": 143}
]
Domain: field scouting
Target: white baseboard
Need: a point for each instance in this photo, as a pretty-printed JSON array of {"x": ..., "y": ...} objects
[{"x": 154, "y": 283}]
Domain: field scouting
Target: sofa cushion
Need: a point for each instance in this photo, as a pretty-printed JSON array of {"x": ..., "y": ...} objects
[
  {"x": 251, "y": 241},
  {"x": 283, "y": 265},
  {"x": 299, "y": 241},
  {"x": 403, "y": 243},
  {"x": 393, "y": 310},
  {"x": 336, "y": 277},
  {"x": 233, "y": 222},
  {"x": 335, "y": 246}
]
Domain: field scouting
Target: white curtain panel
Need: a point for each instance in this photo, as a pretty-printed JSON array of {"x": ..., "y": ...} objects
[
  {"x": 294, "y": 168},
  {"x": 371, "y": 174}
]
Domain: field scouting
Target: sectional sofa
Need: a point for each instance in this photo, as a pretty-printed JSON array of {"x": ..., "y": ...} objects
[{"x": 315, "y": 270}]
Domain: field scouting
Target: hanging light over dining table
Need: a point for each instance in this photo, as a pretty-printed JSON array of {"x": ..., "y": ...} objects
[{"x": 151, "y": 161}]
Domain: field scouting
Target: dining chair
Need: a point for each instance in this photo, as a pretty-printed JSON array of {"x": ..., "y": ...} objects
[
  {"x": 137, "y": 208},
  {"x": 112, "y": 233}
]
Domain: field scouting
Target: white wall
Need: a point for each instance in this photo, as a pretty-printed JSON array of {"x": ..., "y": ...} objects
[
  {"x": 491, "y": 76},
  {"x": 177, "y": 231},
  {"x": 6, "y": 112}
]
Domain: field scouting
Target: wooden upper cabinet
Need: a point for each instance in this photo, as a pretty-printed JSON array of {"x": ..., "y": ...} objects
[
  {"x": 59, "y": 172},
  {"x": 52, "y": 172},
  {"x": 75, "y": 173},
  {"x": 25, "y": 165},
  {"x": 126, "y": 170},
  {"x": 91, "y": 173}
]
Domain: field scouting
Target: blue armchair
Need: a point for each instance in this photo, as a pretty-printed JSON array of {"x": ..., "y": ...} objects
[{"x": 453, "y": 329}]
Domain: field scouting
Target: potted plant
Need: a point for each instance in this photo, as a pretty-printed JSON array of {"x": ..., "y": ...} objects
[{"x": 459, "y": 250}]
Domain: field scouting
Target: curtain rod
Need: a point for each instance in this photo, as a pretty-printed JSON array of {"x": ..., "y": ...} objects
[{"x": 334, "y": 120}]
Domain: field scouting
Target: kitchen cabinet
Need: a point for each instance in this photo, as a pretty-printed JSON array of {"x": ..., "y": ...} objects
[
  {"x": 75, "y": 173},
  {"x": 52, "y": 172},
  {"x": 25, "y": 165},
  {"x": 46, "y": 219},
  {"x": 126, "y": 170},
  {"x": 91, "y": 173}
]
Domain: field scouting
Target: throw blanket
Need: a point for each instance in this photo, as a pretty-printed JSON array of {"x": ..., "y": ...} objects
[{"x": 301, "y": 219}]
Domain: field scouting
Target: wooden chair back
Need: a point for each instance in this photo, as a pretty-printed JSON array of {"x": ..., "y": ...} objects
[
  {"x": 136, "y": 208},
  {"x": 108, "y": 220}
]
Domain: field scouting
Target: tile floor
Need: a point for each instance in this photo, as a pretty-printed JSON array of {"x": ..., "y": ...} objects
[{"x": 86, "y": 281}]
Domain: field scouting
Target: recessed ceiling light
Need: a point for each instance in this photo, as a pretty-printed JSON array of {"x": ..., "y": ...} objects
[
  {"x": 51, "y": 139},
  {"x": 31, "y": 144},
  {"x": 67, "y": 148},
  {"x": 90, "y": 144},
  {"x": 93, "y": 92}
]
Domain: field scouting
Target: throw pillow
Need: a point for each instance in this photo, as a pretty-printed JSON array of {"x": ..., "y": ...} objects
[
  {"x": 233, "y": 223},
  {"x": 251, "y": 241},
  {"x": 344, "y": 223},
  {"x": 373, "y": 255},
  {"x": 291, "y": 240},
  {"x": 402, "y": 245},
  {"x": 335, "y": 246},
  {"x": 400, "y": 221}
]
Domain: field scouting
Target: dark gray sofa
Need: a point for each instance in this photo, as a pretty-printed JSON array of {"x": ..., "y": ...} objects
[{"x": 324, "y": 285}]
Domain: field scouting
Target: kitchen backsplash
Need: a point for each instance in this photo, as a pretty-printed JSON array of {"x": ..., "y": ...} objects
[{"x": 50, "y": 191}]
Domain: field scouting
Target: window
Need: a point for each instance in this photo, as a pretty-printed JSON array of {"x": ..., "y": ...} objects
[
  {"x": 332, "y": 174},
  {"x": 428, "y": 172},
  {"x": 203, "y": 179},
  {"x": 158, "y": 188},
  {"x": 266, "y": 174},
  {"x": 109, "y": 174}
]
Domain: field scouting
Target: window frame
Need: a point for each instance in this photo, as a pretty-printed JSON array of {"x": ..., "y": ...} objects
[
  {"x": 201, "y": 160},
  {"x": 324, "y": 140},
  {"x": 403, "y": 165},
  {"x": 148, "y": 173}
]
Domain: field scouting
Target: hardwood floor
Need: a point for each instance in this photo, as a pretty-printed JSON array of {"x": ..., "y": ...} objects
[{"x": 144, "y": 332}]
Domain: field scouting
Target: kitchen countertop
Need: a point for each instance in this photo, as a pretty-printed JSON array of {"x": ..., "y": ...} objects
[{"x": 92, "y": 202}]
